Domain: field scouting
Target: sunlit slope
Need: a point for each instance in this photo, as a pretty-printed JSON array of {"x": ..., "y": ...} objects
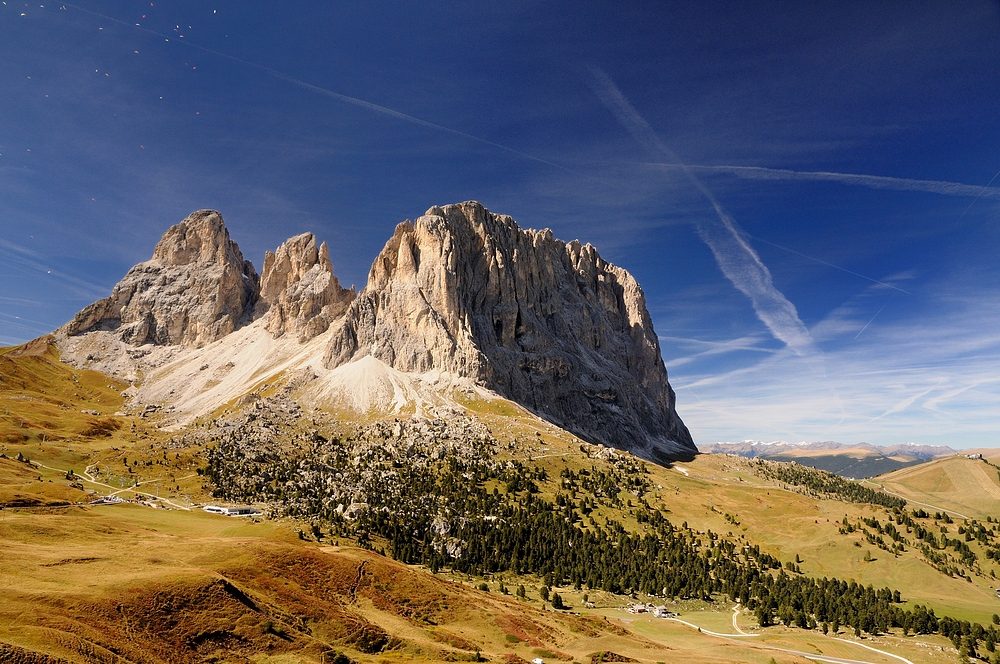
[
  {"x": 42, "y": 399},
  {"x": 723, "y": 494},
  {"x": 71, "y": 419},
  {"x": 787, "y": 524},
  {"x": 131, "y": 584},
  {"x": 131, "y": 551},
  {"x": 967, "y": 487}
]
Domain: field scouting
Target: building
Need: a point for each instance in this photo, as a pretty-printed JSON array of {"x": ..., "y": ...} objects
[{"x": 231, "y": 511}]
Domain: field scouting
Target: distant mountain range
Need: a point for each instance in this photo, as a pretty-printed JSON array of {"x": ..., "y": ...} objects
[
  {"x": 756, "y": 448},
  {"x": 861, "y": 460}
]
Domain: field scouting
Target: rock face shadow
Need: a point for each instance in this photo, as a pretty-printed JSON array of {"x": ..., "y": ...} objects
[{"x": 547, "y": 324}]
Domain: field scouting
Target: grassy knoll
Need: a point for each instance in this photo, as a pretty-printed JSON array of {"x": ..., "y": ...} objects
[
  {"x": 925, "y": 650},
  {"x": 788, "y": 524},
  {"x": 969, "y": 487}
]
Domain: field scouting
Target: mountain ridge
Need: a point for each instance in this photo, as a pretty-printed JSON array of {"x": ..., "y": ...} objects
[
  {"x": 755, "y": 448},
  {"x": 462, "y": 295}
]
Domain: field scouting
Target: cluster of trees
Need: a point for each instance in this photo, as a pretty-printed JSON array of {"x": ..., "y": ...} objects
[
  {"x": 931, "y": 544},
  {"x": 477, "y": 515},
  {"x": 821, "y": 482}
]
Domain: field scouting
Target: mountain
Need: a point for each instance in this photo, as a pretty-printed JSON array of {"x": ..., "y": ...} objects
[
  {"x": 855, "y": 461},
  {"x": 490, "y": 513},
  {"x": 757, "y": 448},
  {"x": 461, "y": 300},
  {"x": 549, "y": 325},
  {"x": 298, "y": 290},
  {"x": 197, "y": 288}
]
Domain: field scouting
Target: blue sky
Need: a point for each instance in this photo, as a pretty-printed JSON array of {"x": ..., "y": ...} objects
[{"x": 801, "y": 188}]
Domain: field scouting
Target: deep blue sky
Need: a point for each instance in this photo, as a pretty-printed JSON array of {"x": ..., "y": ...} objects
[{"x": 790, "y": 305}]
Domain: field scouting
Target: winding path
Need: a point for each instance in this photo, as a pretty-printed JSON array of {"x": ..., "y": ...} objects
[
  {"x": 86, "y": 477},
  {"x": 915, "y": 502},
  {"x": 817, "y": 658}
]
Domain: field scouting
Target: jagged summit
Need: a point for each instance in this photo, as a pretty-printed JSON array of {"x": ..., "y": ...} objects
[
  {"x": 545, "y": 323},
  {"x": 460, "y": 292},
  {"x": 299, "y": 293},
  {"x": 197, "y": 288}
]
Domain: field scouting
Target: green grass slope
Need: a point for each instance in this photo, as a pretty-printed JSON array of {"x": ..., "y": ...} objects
[
  {"x": 967, "y": 487},
  {"x": 84, "y": 583}
]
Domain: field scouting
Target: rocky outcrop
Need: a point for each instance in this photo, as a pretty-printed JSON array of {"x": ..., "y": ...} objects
[
  {"x": 544, "y": 323},
  {"x": 197, "y": 288},
  {"x": 299, "y": 293}
]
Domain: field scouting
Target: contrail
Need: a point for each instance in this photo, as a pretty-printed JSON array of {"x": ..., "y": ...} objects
[
  {"x": 980, "y": 193},
  {"x": 21, "y": 256},
  {"x": 728, "y": 242},
  {"x": 383, "y": 110},
  {"x": 822, "y": 262},
  {"x": 872, "y": 181},
  {"x": 869, "y": 323}
]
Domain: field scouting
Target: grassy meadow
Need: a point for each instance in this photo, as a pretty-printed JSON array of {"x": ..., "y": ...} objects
[{"x": 163, "y": 581}]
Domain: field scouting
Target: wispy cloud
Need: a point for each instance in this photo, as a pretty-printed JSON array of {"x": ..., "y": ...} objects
[
  {"x": 823, "y": 262},
  {"x": 729, "y": 244},
  {"x": 35, "y": 266},
  {"x": 714, "y": 348},
  {"x": 930, "y": 378},
  {"x": 859, "y": 179},
  {"x": 869, "y": 323}
]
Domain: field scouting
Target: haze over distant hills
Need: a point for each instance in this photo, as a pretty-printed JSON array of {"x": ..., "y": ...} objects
[
  {"x": 756, "y": 448},
  {"x": 860, "y": 460}
]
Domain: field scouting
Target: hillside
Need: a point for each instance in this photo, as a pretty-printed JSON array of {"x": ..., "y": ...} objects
[
  {"x": 182, "y": 557},
  {"x": 968, "y": 488},
  {"x": 859, "y": 461},
  {"x": 416, "y": 499}
]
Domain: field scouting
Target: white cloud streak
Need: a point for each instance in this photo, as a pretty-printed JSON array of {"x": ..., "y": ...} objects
[
  {"x": 16, "y": 256},
  {"x": 932, "y": 379},
  {"x": 354, "y": 101},
  {"x": 822, "y": 262},
  {"x": 714, "y": 348},
  {"x": 871, "y": 181},
  {"x": 868, "y": 323},
  {"x": 729, "y": 244}
]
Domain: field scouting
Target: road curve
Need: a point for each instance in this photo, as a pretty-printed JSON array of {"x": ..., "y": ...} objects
[
  {"x": 817, "y": 658},
  {"x": 86, "y": 477}
]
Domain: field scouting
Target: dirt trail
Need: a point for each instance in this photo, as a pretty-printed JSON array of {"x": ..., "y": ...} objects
[
  {"x": 86, "y": 477},
  {"x": 815, "y": 657}
]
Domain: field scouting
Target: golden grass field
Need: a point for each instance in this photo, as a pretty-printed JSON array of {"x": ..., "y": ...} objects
[
  {"x": 966, "y": 487},
  {"x": 129, "y": 583}
]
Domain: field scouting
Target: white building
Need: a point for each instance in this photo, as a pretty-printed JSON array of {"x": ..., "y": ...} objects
[{"x": 231, "y": 511}]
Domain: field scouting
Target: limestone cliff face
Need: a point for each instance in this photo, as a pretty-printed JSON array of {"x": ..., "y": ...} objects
[
  {"x": 197, "y": 288},
  {"x": 547, "y": 324},
  {"x": 299, "y": 293},
  {"x": 544, "y": 323}
]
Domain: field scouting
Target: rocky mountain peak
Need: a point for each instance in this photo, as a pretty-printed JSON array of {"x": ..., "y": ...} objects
[
  {"x": 202, "y": 237},
  {"x": 197, "y": 288},
  {"x": 299, "y": 294},
  {"x": 547, "y": 324},
  {"x": 544, "y": 323}
]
